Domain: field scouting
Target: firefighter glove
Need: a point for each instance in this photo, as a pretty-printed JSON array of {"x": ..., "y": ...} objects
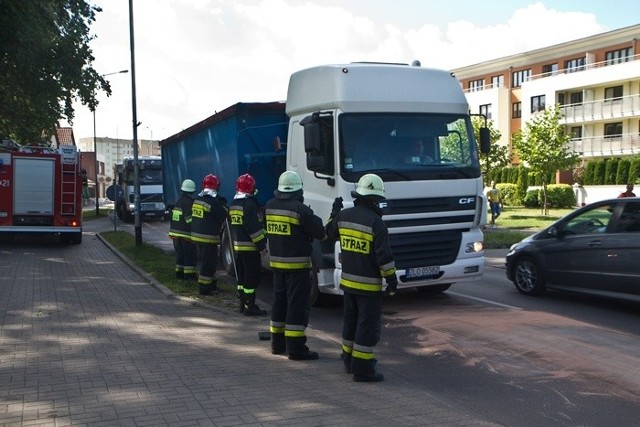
[
  {"x": 392, "y": 285},
  {"x": 336, "y": 207}
]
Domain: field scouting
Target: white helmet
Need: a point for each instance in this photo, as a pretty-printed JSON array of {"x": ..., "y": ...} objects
[
  {"x": 188, "y": 186},
  {"x": 369, "y": 185},
  {"x": 289, "y": 182}
]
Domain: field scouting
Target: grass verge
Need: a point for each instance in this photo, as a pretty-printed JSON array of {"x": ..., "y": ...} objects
[
  {"x": 516, "y": 223},
  {"x": 160, "y": 266}
]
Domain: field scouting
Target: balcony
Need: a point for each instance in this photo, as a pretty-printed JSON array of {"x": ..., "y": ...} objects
[
  {"x": 604, "y": 109},
  {"x": 607, "y": 146}
]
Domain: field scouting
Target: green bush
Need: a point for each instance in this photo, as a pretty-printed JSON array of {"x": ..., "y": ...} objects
[
  {"x": 532, "y": 199},
  {"x": 622, "y": 175},
  {"x": 560, "y": 196},
  {"x": 509, "y": 194},
  {"x": 634, "y": 170},
  {"x": 522, "y": 183},
  {"x": 610, "y": 171},
  {"x": 598, "y": 176},
  {"x": 589, "y": 172}
]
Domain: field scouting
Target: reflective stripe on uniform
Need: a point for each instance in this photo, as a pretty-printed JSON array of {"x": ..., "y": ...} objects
[
  {"x": 388, "y": 269},
  {"x": 362, "y": 352},
  {"x": 257, "y": 236},
  {"x": 354, "y": 227},
  {"x": 294, "y": 331},
  {"x": 276, "y": 327},
  {"x": 179, "y": 235},
  {"x": 363, "y": 283},
  {"x": 290, "y": 263},
  {"x": 244, "y": 247},
  {"x": 204, "y": 238}
]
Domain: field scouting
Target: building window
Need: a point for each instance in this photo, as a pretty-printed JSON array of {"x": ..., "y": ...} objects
[
  {"x": 576, "y": 132},
  {"x": 613, "y": 93},
  {"x": 486, "y": 110},
  {"x": 574, "y": 65},
  {"x": 476, "y": 85},
  {"x": 575, "y": 97},
  {"x": 520, "y": 77},
  {"x": 516, "y": 110},
  {"x": 497, "y": 81},
  {"x": 618, "y": 56},
  {"x": 537, "y": 103},
  {"x": 613, "y": 130},
  {"x": 550, "y": 69}
]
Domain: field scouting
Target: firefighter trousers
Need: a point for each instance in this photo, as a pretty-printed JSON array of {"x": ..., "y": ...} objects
[
  {"x": 290, "y": 311},
  {"x": 208, "y": 263},
  {"x": 249, "y": 268},
  {"x": 186, "y": 258},
  {"x": 360, "y": 332}
]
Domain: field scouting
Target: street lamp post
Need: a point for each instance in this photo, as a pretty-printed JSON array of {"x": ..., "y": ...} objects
[{"x": 95, "y": 146}]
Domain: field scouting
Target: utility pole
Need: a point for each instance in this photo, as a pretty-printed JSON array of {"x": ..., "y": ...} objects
[{"x": 136, "y": 166}]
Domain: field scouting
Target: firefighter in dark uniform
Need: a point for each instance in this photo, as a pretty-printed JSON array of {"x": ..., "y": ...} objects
[
  {"x": 291, "y": 227},
  {"x": 209, "y": 213},
  {"x": 366, "y": 260},
  {"x": 180, "y": 232},
  {"x": 249, "y": 243}
]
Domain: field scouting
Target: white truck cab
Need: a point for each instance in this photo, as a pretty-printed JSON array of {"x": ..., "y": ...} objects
[{"x": 411, "y": 126}]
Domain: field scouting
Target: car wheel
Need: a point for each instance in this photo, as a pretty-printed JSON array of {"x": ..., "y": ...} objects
[{"x": 528, "y": 277}]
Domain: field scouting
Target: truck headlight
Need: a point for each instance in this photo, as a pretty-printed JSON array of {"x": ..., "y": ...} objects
[{"x": 474, "y": 247}]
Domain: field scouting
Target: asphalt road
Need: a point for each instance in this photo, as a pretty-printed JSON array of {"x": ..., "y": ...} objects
[{"x": 561, "y": 359}]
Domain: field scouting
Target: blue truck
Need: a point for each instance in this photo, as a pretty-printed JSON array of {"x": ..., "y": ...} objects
[{"x": 340, "y": 122}]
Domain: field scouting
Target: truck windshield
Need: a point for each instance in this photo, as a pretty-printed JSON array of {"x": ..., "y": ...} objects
[
  {"x": 146, "y": 176},
  {"x": 407, "y": 146}
]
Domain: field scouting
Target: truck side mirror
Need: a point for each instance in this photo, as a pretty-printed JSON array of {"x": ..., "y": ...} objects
[
  {"x": 311, "y": 133},
  {"x": 485, "y": 140}
]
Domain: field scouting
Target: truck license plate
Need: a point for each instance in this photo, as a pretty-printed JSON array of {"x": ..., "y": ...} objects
[{"x": 419, "y": 272}]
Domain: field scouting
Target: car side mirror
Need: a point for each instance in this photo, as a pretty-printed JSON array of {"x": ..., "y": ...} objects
[
  {"x": 554, "y": 231},
  {"x": 311, "y": 134}
]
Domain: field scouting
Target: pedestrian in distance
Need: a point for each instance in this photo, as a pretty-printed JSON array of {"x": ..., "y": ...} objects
[
  {"x": 209, "y": 214},
  {"x": 180, "y": 232},
  {"x": 366, "y": 261},
  {"x": 629, "y": 192},
  {"x": 495, "y": 202},
  {"x": 249, "y": 243},
  {"x": 291, "y": 228}
]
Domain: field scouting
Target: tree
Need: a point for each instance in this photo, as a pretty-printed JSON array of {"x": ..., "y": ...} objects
[
  {"x": 499, "y": 156},
  {"x": 543, "y": 146},
  {"x": 45, "y": 65}
]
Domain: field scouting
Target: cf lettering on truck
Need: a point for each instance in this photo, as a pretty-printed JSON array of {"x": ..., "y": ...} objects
[{"x": 338, "y": 124}]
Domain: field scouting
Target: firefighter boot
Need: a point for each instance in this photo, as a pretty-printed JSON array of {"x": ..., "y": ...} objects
[
  {"x": 278, "y": 343},
  {"x": 241, "y": 299},
  {"x": 365, "y": 370},
  {"x": 251, "y": 308},
  {"x": 346, "y": 359}
]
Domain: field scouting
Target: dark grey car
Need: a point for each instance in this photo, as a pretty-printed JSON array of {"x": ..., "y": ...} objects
[{"x": 595, "y": 249}]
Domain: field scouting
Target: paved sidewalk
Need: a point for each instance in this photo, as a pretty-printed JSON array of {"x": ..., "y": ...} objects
[{"x": 85, "y": 340}]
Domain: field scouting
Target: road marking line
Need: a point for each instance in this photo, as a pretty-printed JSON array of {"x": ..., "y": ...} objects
[{"x": 486, "y": 301}]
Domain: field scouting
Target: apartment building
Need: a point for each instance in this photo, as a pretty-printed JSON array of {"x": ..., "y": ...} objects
[{"x": 595, "y": 81}]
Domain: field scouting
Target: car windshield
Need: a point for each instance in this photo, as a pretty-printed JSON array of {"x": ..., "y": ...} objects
[{"x": 402, "y": 146}]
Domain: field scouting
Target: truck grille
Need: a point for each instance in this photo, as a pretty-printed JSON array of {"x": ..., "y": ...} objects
[{"x": 425, "y": 249}]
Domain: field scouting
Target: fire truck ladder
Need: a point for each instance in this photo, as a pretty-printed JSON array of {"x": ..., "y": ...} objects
[{"x": 69, "y": 194}]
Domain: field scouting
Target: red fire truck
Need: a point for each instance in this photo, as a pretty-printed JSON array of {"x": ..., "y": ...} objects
[{"x": 40, "y": 191}]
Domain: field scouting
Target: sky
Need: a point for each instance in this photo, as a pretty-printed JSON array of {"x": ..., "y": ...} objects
[{"x": 196, "y": 57}]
